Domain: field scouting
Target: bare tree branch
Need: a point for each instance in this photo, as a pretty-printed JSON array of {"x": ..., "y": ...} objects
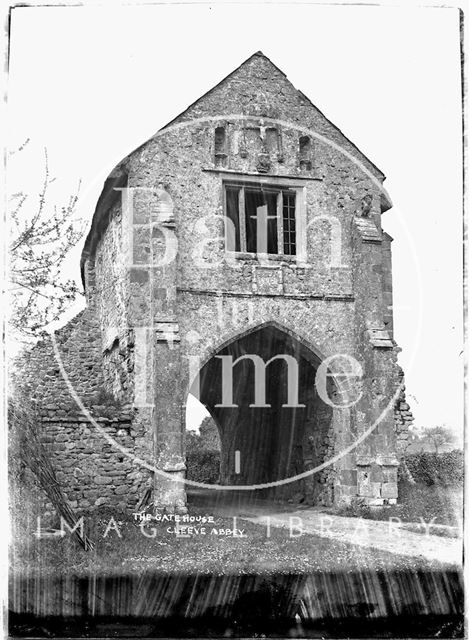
[{"x": 39, "y": 244}]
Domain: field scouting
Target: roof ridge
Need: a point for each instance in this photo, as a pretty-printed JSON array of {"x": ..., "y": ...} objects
[{"x": 261, "y": 54}]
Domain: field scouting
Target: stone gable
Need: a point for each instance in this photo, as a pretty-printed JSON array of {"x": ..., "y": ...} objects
[{"x": 181, "y": 280}]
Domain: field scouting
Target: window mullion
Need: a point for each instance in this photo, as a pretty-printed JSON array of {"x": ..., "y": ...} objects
[
  {"x": 242, "y": 221},
  {"x": 280, "y": 222}
]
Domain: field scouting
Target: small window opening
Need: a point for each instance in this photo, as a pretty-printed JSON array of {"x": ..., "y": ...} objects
[
  {"x": 305, "y": 153},
  {"x": 220, "y": 147}
]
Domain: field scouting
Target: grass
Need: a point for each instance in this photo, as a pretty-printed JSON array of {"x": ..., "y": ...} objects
[
  {"x": 441, "y": 505},
  {"x": 204, "y": 554}
]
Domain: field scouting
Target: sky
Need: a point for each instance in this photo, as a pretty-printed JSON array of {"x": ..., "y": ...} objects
[{"x": 91, "y": 83}]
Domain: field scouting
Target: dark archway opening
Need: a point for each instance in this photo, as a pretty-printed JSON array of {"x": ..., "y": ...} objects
[{"x": 272, "y": 423}]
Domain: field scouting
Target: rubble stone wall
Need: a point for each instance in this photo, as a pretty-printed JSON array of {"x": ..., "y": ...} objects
[{"x": 94, "y": 464}]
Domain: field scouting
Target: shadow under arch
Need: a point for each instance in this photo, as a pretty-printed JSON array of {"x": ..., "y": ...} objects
[
  {"x": 311, "y": 350},
  {"x": 274, "y": 438}
]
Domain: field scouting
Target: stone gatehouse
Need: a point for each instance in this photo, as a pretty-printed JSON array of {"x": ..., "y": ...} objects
[{"x": 241, "y": 244}]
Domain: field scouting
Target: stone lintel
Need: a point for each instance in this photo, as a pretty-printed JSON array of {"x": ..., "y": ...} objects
[
  {"x": 364, "y": 461},
  {"x": 263, "y": 177},
  {"x": 82, "y": 419},
  {"x": 368, "y": 230},
  {"x": 380, "y": 338},
  {"x": 167, "y": 223},
  {"x": 384, "y": 461},
  {"x": 173, "y": 467},
  {"x": 294, "y": 296},
  {"x": 387, "y": 461},
  {"x": 371, "y": 241},
  {"x": 167, "y": 332},
  {"x": 375, "y": 502}
]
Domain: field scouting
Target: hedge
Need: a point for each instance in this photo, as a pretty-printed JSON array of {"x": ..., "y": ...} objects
[
  {"x": 430, "y": 468},
  {"x": 426, "y": 468},
  {"x": 203, "y": 466}
]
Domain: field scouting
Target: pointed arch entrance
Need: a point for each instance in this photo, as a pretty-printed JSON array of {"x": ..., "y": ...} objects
[{"x": 259, "y": 388}]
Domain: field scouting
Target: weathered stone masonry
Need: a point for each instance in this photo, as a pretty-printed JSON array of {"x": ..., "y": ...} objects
[
  {"x": 91, "y": 471},
  {"x": 165, "y": 321}
]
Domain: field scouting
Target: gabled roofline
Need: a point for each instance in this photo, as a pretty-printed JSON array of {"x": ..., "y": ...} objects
[
  {"x": 117, "y": 173},
  {"x": 305, "y": 97},
  {"x": 116, "y": 180},
  {"x": 215, "y": 86},
  {"x": 378, "y": 170}
]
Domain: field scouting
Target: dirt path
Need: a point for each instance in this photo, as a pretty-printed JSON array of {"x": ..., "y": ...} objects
[
  {"x": 393, "y": 537},
  {"x": 374, "y": 534}
]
